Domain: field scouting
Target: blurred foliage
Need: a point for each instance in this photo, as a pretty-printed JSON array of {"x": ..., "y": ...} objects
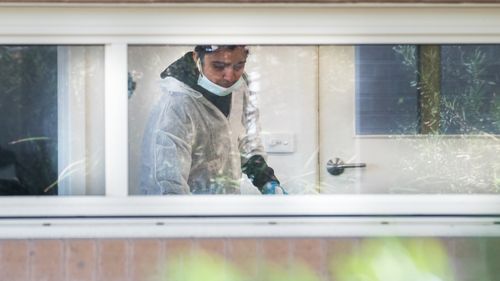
[
  {"x": 378, "y": 259},
  {"x": 28, "y": 108},
  {"x": 296, "y": 272},
  {"x": 391, "y": 259}
]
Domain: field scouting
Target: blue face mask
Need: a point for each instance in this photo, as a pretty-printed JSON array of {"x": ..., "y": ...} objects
[
  {"x": 216, "y": 89},
  {"x": 213, "y": 88}
]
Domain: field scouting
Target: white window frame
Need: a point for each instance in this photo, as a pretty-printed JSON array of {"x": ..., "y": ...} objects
[{"x": 117, "y": 215}]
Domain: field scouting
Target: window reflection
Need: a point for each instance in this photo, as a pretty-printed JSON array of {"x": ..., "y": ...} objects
[
  {"x": 470, "y": 102},
  {"x": 50, "y": 101},
  {"x": 386, "y": 95},
  {"x": 28, "y": 108},
  {"x": 422, "y": 89}
]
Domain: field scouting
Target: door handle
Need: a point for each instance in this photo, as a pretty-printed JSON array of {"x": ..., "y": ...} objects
[{"x": 336, "y": 168}]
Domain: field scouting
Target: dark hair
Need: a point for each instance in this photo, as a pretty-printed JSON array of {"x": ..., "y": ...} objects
[{"x": 201, "y": 50}]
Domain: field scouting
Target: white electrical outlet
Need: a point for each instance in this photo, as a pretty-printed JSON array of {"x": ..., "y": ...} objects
[{"x": 278, "y": 142}]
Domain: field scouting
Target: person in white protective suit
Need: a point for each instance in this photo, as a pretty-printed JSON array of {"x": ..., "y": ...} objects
[{"x": 204, "y": 131}]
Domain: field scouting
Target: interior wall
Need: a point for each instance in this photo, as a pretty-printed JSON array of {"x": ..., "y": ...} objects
[{"x": 286, "y": 79}]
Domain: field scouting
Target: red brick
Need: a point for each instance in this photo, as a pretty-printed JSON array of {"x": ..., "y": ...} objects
[
  {"x": 337, "y": 250},
  {"x": 276, "y": 255},
  {"x": 47, "y": 257},
  {"x": 112, "y": 260},
  {"x": 276, "y": 251},
  {"x": 244, "y": 254},
  {"x": 311, "y": 253},
  {"x": 146, "y": 260},
  {"x": 14, "y": 261},
  {"x": 178, "y": 247},
  {"x": 242, "y": 251},
  {"x": 176, "y": 251},
  {"x": 81, "y": 260},
  {"x": 212, "y": 246}
]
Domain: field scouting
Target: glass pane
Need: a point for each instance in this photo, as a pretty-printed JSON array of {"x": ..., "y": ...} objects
[
  {"x": 393, "y": 81},
  {"x": 386, "y": 101},
  {"x": 452, "y": 114},
  {"x": 283, "y": 83},
  {"x": 51, "y": 107},
  {"x": 470, "y": 102},
  {"x": 379, "y": 109}
]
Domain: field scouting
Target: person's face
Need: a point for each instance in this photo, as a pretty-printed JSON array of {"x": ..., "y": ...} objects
[{"x": 224, "y": 67}]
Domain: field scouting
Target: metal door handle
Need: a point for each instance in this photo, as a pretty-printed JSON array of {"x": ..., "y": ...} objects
[{"x": 336, "y": 168}]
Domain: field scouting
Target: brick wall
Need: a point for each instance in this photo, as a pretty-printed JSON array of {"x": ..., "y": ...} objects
[
  {"x": 145, "y": 259},
  {"x": 250, "y": 1}
]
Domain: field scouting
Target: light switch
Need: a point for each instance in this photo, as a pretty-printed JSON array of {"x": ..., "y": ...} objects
[{"x": 278, "y": 142}]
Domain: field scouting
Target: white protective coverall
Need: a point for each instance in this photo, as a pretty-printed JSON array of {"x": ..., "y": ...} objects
[{"x": 189, "y": 145}]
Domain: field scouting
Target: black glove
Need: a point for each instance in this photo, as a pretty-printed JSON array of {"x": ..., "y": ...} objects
[{"x": 257, "y": 170}]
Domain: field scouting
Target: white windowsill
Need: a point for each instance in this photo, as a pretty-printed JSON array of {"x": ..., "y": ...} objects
[{"x": 251, "y": 216}]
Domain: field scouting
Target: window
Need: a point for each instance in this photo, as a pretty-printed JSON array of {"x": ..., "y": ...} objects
[
  {"x": 51, "y": 106},
  {"x": 389, "y": 93},
  {"x": 29, "y": 91},
  {"x": 422, "y": 89},
  {"x": 386, "y": 94},
  {"x": 319, "y": 45},
  {"x": 470, "y": 103}
]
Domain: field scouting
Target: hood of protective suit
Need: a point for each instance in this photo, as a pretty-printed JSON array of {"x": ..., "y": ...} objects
[{"x": 184, "y": 69}]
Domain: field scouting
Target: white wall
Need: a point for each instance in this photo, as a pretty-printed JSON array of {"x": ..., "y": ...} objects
[{"x": 287, "y": 79}]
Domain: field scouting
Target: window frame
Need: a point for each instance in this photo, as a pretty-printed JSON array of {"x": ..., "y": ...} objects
[{"x": 118, "y": 25}]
